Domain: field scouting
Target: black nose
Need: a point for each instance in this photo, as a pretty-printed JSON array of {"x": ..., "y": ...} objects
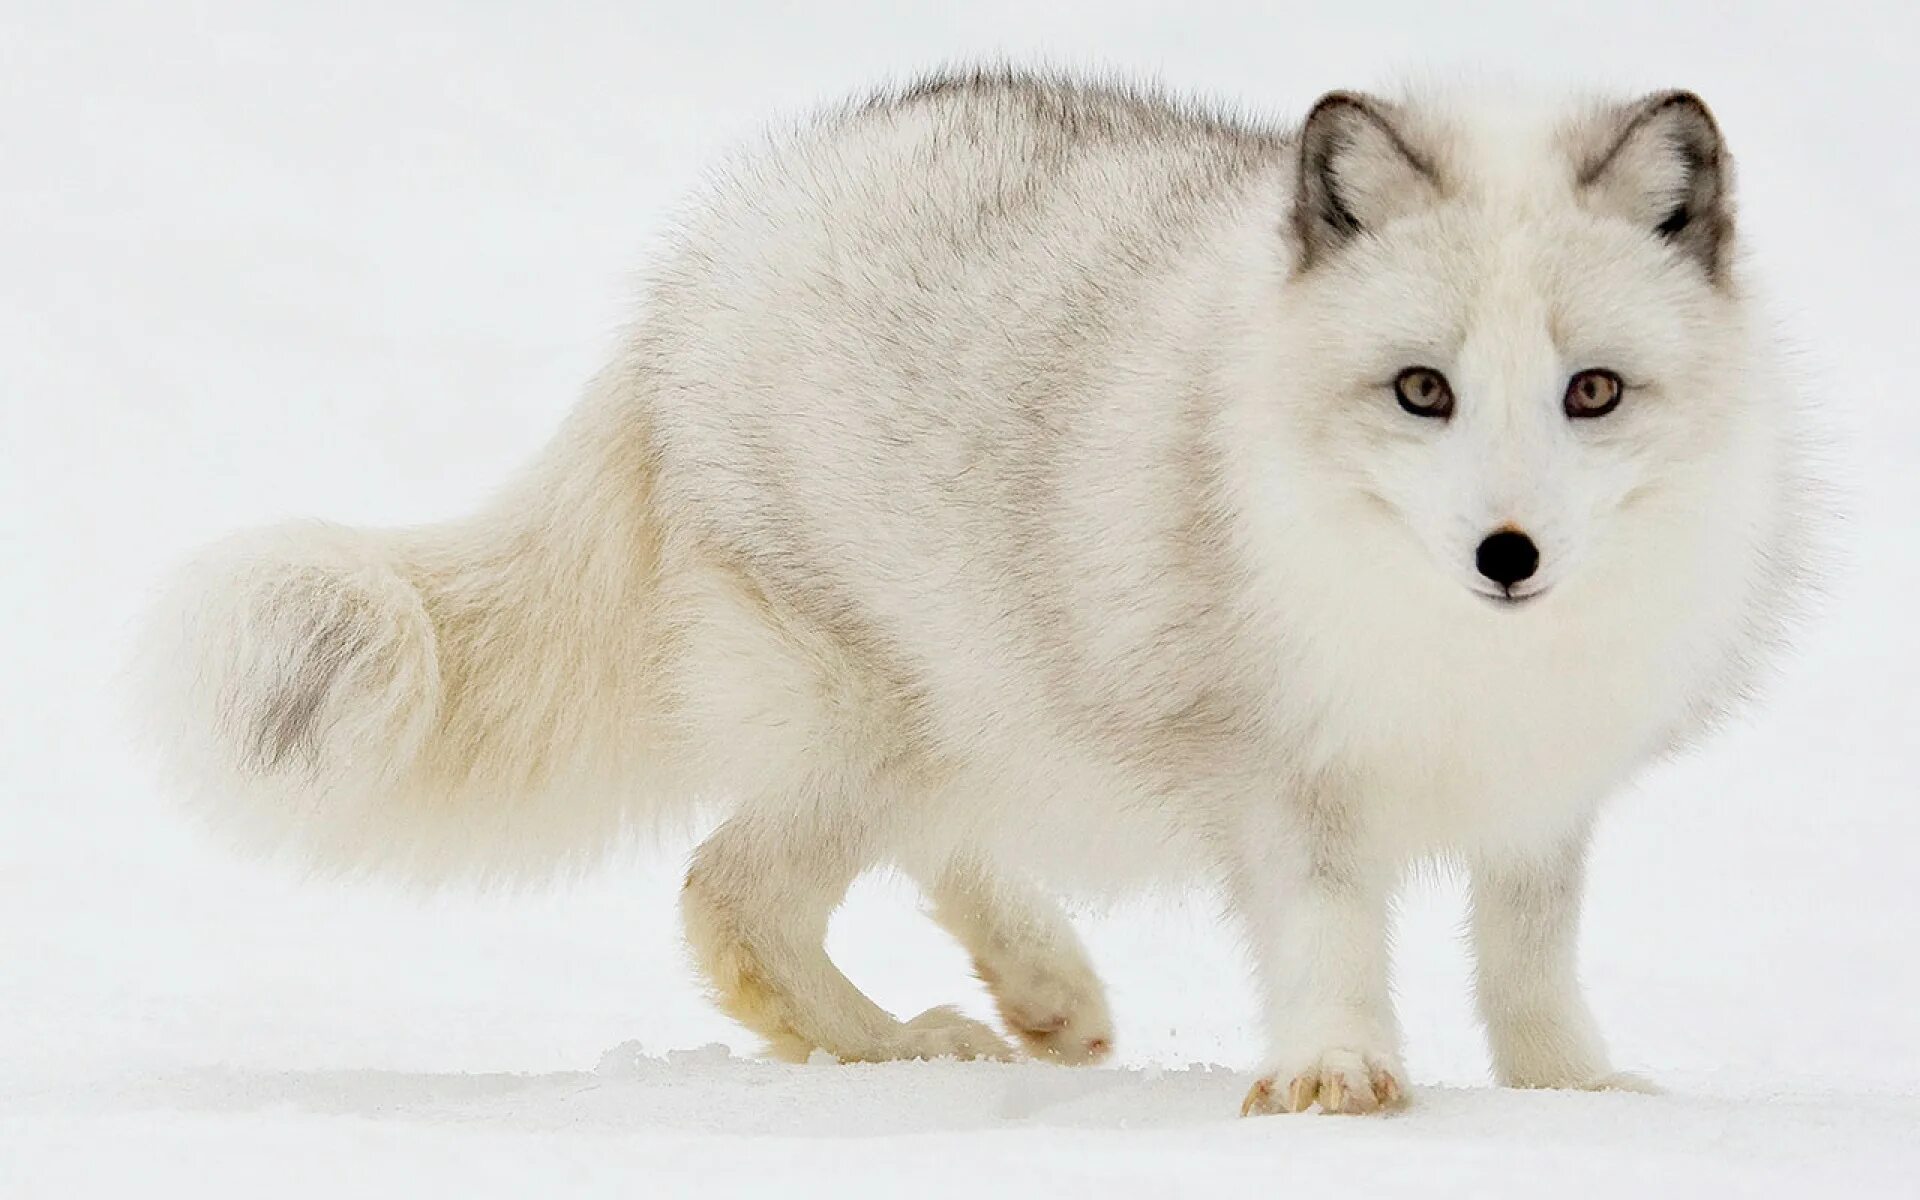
[{"x": 1507, "y": 557}]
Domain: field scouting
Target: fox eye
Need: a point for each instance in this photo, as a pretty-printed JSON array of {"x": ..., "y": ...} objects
[
  {"x": 1593, "y": 394},
  {"x": 1424, "y": 392}
]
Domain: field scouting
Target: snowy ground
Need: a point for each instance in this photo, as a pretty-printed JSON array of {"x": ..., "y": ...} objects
[{"x": 305, "y": 261}]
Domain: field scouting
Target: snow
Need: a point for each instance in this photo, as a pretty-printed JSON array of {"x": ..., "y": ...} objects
[
  {"x": 287, "y": 259},
  {"x": 691, "y": 1125}
]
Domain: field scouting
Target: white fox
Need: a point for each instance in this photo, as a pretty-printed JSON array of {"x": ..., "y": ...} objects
[{"x": 1045, "y": 487}]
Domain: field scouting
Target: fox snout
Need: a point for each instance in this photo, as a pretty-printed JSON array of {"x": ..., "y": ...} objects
[{"x": 1508, "y": 557}]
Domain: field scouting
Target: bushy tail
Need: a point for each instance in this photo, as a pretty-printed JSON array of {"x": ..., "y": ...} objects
[{"x": 471, "y": 699}]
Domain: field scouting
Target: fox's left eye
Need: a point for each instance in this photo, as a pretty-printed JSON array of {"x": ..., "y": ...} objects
[
  {"x": 1593, "y": 394},
  {"x": 1424, "y": 392}
]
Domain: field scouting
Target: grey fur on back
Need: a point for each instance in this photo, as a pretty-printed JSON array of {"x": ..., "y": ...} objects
[{"x": 968, "y": 296}]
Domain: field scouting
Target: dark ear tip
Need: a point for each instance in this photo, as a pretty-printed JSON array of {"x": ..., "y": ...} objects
[
  {"x": 1336, "y": 98},
  {"x": 1680, "y": 98},
  {"x": 1335, "y": 116},
  {"x": 1688, "y": 106},
  {"x": 1337, "y": 104}
]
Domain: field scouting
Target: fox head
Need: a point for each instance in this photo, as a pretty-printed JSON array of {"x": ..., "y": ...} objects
[{"x": 1511, "y": 333}]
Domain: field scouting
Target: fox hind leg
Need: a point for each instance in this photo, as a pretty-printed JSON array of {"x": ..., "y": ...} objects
[{"x": 755, "y": 907}]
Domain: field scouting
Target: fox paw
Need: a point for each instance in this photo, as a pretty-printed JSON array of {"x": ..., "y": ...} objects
[
  {"x": 1577, "y": 1078},
  {"x": 945, "y": 1033},
  {"x": 1057, "y": 1017},
  {"x": 1340, "y": 1081},
  {"x": 1622, "y": 1081}
]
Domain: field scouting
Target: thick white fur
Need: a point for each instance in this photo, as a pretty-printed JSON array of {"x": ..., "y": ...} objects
[{"x": 993, "y": 489}]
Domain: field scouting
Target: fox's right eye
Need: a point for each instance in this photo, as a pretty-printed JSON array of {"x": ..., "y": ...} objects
[{"x": 1424, "y": 392}]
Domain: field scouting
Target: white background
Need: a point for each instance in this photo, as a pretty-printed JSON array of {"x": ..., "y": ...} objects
[{"x": 357, "y": 260}]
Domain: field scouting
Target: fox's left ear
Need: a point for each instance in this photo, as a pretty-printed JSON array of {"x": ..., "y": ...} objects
[{"x": 1663, "y": 165}]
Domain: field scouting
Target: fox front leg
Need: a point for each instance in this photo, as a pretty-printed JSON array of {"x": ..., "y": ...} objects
[
  {"x": 1526, "y": 918},
  {"x": 1315, "y": 912}
]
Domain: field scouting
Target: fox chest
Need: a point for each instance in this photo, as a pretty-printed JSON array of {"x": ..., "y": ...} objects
[{"x": 1470, "y": 746}]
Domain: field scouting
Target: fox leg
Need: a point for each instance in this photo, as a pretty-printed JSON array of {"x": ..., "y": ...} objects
[
  {"x": 1028, "y": 956},
  {"x": 1315, "y": 907},
  {"x": 755, "y": 907},
  {"x": 1526, "y": 915}
]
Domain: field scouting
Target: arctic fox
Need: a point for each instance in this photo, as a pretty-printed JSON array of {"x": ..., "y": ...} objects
[{"x": 1046, "y": 487}]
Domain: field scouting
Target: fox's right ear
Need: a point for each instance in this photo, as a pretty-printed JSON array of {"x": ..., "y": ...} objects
[{"x": 1357, "y": 172}]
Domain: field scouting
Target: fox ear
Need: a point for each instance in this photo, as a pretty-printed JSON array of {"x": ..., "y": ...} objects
[
  {"x": 1357, "y": 172},
  {"x": 1666, "y": 169}
]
